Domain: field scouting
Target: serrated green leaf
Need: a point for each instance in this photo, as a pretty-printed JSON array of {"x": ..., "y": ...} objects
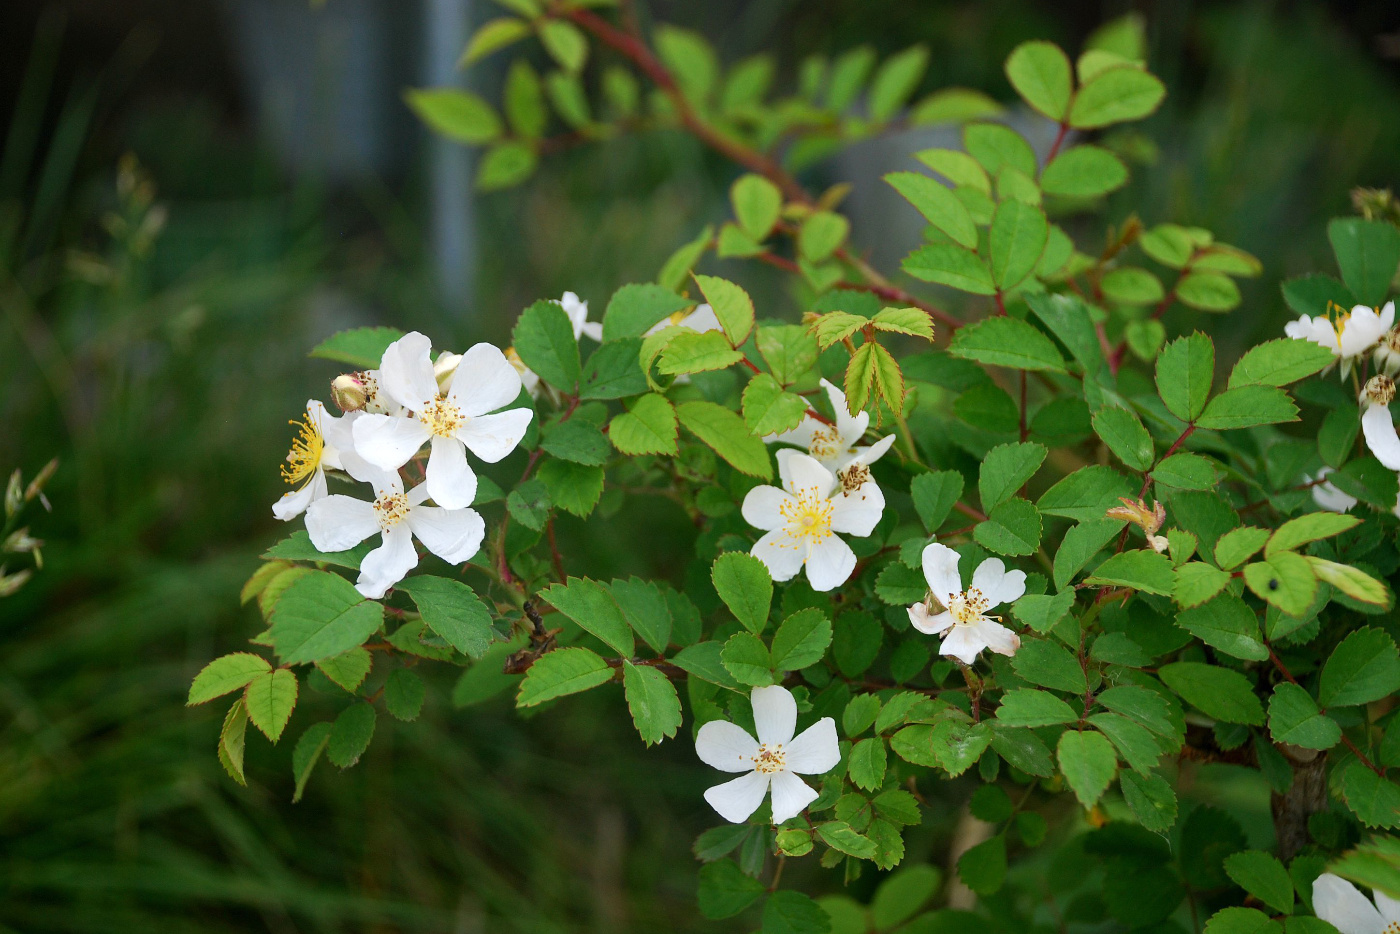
[
  {"x": 1143, "y": 570},
  {"x": 452, "y": 610},
  {"x": 1295, "y": 718},
  {"x": 359, "y": 347},
  {"x": 1248, "y": 406},
  {"x": 1088, "y": 763},
  {"x": 937, "y": 203},
  {"x": 1011, "y": 528},
  {"x": 1217, "y": 692},
  {"x": 1115, "y": 95},
  {"x": 269, "y": 699},
  {"x": 1125, "y": 436},
  {"x": 320, "y": 615},
  {"x": 1040, "y": 72},
  {"x": 561, "y": 672},
  {"x": 724, "y": 431},
  {"x": 1185, "y": 369},
  {"x": 1364, "y": 667},
  {"x": 649, "y": 427},
  {"x": 1008, "y": 342},
  {"x": 225, "y": 674}
]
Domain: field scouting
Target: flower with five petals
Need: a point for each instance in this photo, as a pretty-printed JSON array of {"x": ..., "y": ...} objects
[{"x": 963, "y": 619}]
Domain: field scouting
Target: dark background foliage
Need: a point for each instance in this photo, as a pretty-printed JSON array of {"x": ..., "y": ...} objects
[{"x": 302, "y": 198}]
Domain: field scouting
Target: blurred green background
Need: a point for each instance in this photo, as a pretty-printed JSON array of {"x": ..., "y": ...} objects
[{"x": 297, "y": 197}]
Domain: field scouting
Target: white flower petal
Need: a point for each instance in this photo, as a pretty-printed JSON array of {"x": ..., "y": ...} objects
[
  {"x": 869, "y": 455},
  {"x": 294, "y": 503},
  {"x": 941, "y": 571},
  {"x": 386, "y": 565},
  {"x": 1388, "y": 907},
  {"x": 815, "y": 750},
  {"x": 996, "y": 637},
  {"x": 780, "y": 553},
  {"x": 997, "y": 584},
  {"x": 735, "y": 800},
  {"x": 849, "y": 428},
  {"x": 1363, "y": 330},
  {"x": 1342, "y": 905},
  {"x": 593, "y": 330},
  {"x": 484, "y": 381},
  {"x": 801, "y": 471},
  {"x": 761, "y": 508},
  {"x": 702, "y": 319},
  {"x": 492, "y": 437},
  {"x": 790, "y": 795},
  {"x": 338, "y": 522},
  {"x": 388, "y": 441},
  {"x": 1379, "y": 428},
  {"x": 454, "y": 535},
  {"x": 1318, "y": 330},
  {"x": 922, "y": 620},
  {"x": 451, "y": 482},
  {"x": 801, "y": 436},
  {"x": 725, "y": 746},
  {"x": 1328, "y": 496},
  {"x": 962, "y": 643},
  {"x": 407, "y": 371},
  {"x": 829, "y": 564},
  {"x": 857, "y": 512},
  {"x": 774, "y": 714}
]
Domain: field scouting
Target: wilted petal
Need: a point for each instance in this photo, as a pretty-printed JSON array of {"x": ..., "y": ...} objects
[
  {"x": 774, "y": 714},
  {"x": 736, "y": 800},
  {"x": 790, "y": 795},
  {"x": 724, "y": 746},
  {"x": 815, "y": 750}
]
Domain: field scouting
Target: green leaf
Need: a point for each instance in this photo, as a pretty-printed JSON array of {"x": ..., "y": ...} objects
[
  {"x": 1185, "y": 368},
  {"x": 524, "y": 100},
  {"x": 1115, "y": 95},
  {"x": 1217, "y": 692},
  {"x": 821, "y": 234},
  {"x": 560, "y": 672},
  {"x": 725, "y": 890},
  {"x": 1085, "y": 494},
  {"x": 1354, "y": 583},
  {"x": 744, "y": 584},
  {"x": 298, "y": 547},
  {"x": 1374, "y": 800},
  {"x": 270, "y": 698},
  {"x": 996, "y": 147},
  {"x": 1228, "y": 624},
  {"x": 953, "y": 105},
  {"x": 1015, "y": 242},
  {"x": 1186, "y": 472},
  {"x": 403, "y": 695},
  {"x": 934, "y": 494},
  {"x": 225, "y": 674},
  {"x": 493, "y": 36},
  {"x": 789, "y": 350},
  {"x": 359, "y": 347},
  {"x": 731, "y": 305},
  {"x": 232, "y": 738},
  {"x": 452, "y": 610},
  {"x": 614, "y": 371},
  {"x": 724, "y": 431},
  {"x": 983, "y": 867},
  {"x": 912, "y": 321},
  {"x": 1134, "y": 742},
  {"x": 1005, "y": 469},
  {"x": 1248, "y": 406},
  {"x": 1286, "y": 580},
  {"x": 894, "y": 81},
  {"x": 957, "y": 167},
  {"x": 866, "y": 763},
  {"x": 860, "y": 714},
  {"x": 1143, "y": 570},
  {"x": 1240, "y": 921},
  {"x": 636, "y": 308},
  {"x": 1280, "y": 362},
  {"x": 1239, "y": 544},
  {"x": 1208, "y": 291},
  {"x": 957, "y": 746},
  {"x": 748, "y": 660},
  {"x": 564, "y": 42},
  {"x": 1084, "y": 172},
  {"x": 350, "y": 735},
  {"x": 1088, "y": 763},
  {"x": 348, "y": 669},
  {"x": 589, "y": 604},
  {"x": 1008, "y": 342},
  {"x": 456, "y": 114},
  {"x": 1041, "y": 74},
  {"x": 320, "y": 615},
  {"x": 691, "y": 59},
  {"x": 1151, "y": 799},
  {"x": 704, "y": 660},
  {"x": 1362, "y": 669},
  {"x": 1023, "y": 749},
  {"x": 768, "y": 409},
  {"x": 789, "y": 912},
  {"x": 902, "y": 894},
  {"x": 505, "y": 165},
  {"x": 544, "y": 339},
  {"x": 1011, "y": 528},
  {"x": 1049, "y": 664},
  {"x": 1367, "y": 254},
  {"x": 307, "y": 753},
  {"x": 951, "y": 265},
  {"x": 649, "y": 427},
  {"x": 652, "y": 699},
  {"x": 1041, "y": 611},
  {"x": 801, "y": 640},
  {"x": 1295, "y": 718},
  {"x": 572, "y": 487},
  {"x": 1033, "y": 708},
  {"x": 697, "y": 352},
  {"x": 937, "y": 203},
  {"x": 1313, "y": 527},
  {"x": 1131, "y": 285},
  {"x": 1125, "y": 436},
  {"x": 645, "y": 606},
  {"x": 1079, "y": 546},
  {"x": 577, "y": 441},
  {"x": 757, "y": 204},
  {"x": 841, "y": 837}
]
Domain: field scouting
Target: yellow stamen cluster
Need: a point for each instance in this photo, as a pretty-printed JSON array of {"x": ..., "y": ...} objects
[
  {"x": 969, "y": 607},
  {"x": 770, "y": 759},
  {"x": 808, "y": 516},
  {"x": 390, "y": 509},
  {"x": 1339, "y": 317},
  {"x": 442, "y": 418},
  {"x": 854, "y": 477},
  {"x": 305, "y": 455}
]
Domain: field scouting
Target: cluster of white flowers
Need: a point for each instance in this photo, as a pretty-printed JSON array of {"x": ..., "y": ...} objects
[
  {"x": 454, "y": 405},
  {"x": 1351, "y": 335}
]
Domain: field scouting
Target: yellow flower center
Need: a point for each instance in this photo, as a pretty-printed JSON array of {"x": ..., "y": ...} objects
[
  {"x": 442, "y": 418},
  {"x": 390, "y": 509},
  {"x": 825, "y": 444},
  {"x": 968, "y": 608},
  {"x": 1339, "y": 319},
  {"x": 770, "y": 759},
  {"x": 853, "y": 477},
  {"x": 305, "y": 455},
  {"x": 808, "y": 516}
]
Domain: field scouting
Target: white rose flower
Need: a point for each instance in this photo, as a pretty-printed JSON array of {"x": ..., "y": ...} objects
[
  {"x": 312, "y": 452},
  {"x": 801, "y": 519},
  {"x": 773, "y": 761},
  {"x": 964, "y": 617},
  {"x": 338, "y": 522},
  {"x": 1349, "y": 336},
  {"x": 482, "y": 382},
  {"x": 838, "y": 446},
  {"x": 1341, "y": 904},
  {"x": 1377, "y": 424}
]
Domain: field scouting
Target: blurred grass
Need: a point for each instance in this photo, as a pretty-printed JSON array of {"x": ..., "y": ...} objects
[{"x": 165, "y": 390}]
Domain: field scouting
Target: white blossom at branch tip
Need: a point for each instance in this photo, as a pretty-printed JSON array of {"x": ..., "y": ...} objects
[
  {"x": 1341, "y": 904},
  {"x": 577, "y": 310},
  {"x": 962, "y": 617},
  {"x": 836, "y": 446},
  {"x": 800, "y": 520},
  {"x": 771, "y": 762},
  {"x": 320, "y": 437},
  {"x": 453, "y": 421},
  {"x": 338, "y": 522},
  {"x": 1350, "y": 335}
]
